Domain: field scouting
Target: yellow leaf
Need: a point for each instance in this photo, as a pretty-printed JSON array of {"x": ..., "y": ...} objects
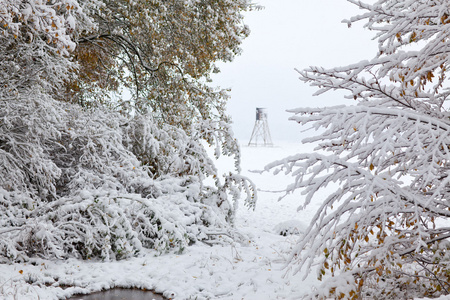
[
  {"x": 361, "y": 282},
  {"x": 371, "y": 167},
  {"x": 21, "y": 271}
]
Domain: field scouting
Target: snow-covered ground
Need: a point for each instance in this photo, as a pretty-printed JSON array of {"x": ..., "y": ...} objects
[{"x": 252, "y": 267}]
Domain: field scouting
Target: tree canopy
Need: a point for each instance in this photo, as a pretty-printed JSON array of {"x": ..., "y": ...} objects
[
  {"x": 383, "y": 229},
  {"x": 105, "y": 117}
]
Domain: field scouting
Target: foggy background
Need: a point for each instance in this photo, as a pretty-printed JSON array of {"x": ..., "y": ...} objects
[{"x": 290, "y": 34}]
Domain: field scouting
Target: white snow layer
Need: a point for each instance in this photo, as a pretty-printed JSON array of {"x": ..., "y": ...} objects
[{"x": 253, "y": 267}]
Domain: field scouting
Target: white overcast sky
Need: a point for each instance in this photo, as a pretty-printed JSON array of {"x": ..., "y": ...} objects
[{"x": 290, "y": 34}]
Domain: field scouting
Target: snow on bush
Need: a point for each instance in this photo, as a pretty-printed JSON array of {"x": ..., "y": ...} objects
[
  {"x": 72, "y": 184},
  {"x": 290, "y": 227},
  {"x": 96, "y": 181}
]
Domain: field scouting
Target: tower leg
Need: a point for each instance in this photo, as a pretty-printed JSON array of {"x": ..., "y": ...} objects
[{"x": 261, "y": 131}]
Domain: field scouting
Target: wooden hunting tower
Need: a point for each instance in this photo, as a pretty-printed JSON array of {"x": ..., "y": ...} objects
[{"x": 261, "y": 133}]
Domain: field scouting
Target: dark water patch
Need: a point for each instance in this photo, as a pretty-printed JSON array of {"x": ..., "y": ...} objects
[{"x": 120, "y": 294}]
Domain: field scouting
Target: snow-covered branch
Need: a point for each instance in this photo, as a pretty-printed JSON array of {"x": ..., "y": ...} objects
[{"x": 383, "y": 160}]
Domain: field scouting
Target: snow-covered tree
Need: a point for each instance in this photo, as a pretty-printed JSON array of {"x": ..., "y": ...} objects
[
  {"x": 158, "y": 51},
  {"x": 383, "y": 231},
  {"x": 83, "y": 172}
]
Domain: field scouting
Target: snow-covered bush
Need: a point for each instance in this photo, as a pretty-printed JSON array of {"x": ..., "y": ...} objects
[
  {"x": 109, "y": 179},
  {"x": 85, "y": 189},
  {"x": 383, "y": 232},
  {"x": 290, "y": 227}
]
